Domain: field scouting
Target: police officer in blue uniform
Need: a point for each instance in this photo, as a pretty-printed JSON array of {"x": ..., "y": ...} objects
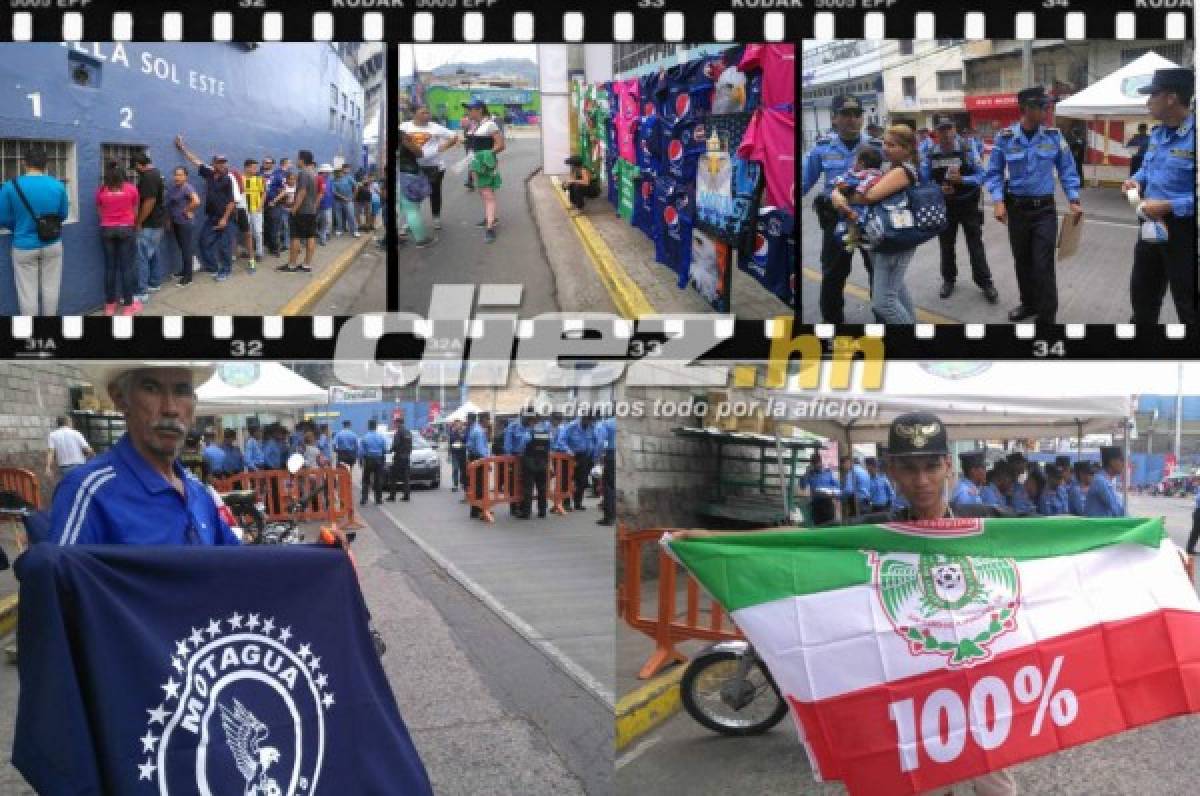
[
  {"x": 1020, "y": 497},
  {"x": 373, "y": 447},
  {"x": 1052, "y": 500},
  {"x": 1025, "y": 202},
  {"x": 822, "y": 486},
  {"x": 581, "y": 442},
  {"x": 882, "y": 492},
  {"x": 477, "y": 448},
  {"x": 345, "y": 445},
  {"x": 955, "y": 165},
  {"x": 535, "y": 461},
  {"x": 608, "y": 431},
  {"x": 856, "y": 488},
  {"x": 1167, "y": 183},
  {"x": 1077, "y": 490},
  {"x": 998, "y": 489},
  {"x": 971, "y": 481},
  {"x": 1102, "y": 497},
  {"x": 830, "y": 158}
]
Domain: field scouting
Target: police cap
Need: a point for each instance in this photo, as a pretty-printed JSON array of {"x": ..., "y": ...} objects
[
  {"x": 1063, "y": 461},
  {"x": 1108, "y": 454},
  {"x": 847, "y": 103},
  {"x": 917, "y": 434},
  {"x": 1174, "y": 79},
  {"x": 1035, "y": 95},
  {"x": 1082, "y": 467},
  {"x": 972, "y": 459},
  {"x": 1016, "y": 456},
  {"x": 944, "y": 121}
]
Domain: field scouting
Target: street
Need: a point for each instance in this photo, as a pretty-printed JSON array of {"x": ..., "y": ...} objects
[
  {"x": 492, "y": 709},
  {"x": 460, "y": 255},
  {"x": 681, "y": 756},
  {"x": 1093, "y": 284}
]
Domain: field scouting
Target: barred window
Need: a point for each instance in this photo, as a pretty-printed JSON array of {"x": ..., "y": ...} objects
[
  {"x": 123, "y": 155},
  {"x": 60, "y": 163},
  {"x": 949, "y": 81},
  {"x": 333, "y": 116},
  {"x": 333, "y": 95}
]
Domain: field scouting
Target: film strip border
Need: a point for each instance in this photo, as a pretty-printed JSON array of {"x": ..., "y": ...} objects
[
  {"x": 499, "y": 337},
  {"x": 458, "y": 21}
]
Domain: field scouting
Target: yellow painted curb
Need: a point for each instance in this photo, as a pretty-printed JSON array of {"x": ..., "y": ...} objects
[
  {"x": 642, "y": 710},
  {"x": 303, "y": 301},
  {"x": 8, "y": 614},
  {"x": 625, "y": 293},
  {"x": 861, "y": 293}
]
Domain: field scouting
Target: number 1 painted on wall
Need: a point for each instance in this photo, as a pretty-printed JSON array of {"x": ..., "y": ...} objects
[{"x": 36, "y": 99}]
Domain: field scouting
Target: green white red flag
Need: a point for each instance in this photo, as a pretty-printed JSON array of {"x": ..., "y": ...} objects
[{"x": 916, "y": 655}]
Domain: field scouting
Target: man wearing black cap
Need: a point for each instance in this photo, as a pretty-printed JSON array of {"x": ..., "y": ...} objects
[
  {"x": 831, "y": 157},
  {"x": 1052, "y": 501},
  {"x": 1166, "y": 182},
  {"x": 955, "y": 165},
  {"x": 972, "y": 480},
  {"x": 1102, "y": 497},
  {"x": 1025, "y": 202},
  {"x": 1077, "y": 490},
  {"x": 999, "y": 487},
  {"x": 1067, "y": 477},
  {"x": 1019, "y": 498},
  {"x": 216, "y": 236}
]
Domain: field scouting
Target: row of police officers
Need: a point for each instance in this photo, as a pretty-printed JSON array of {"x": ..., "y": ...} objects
[{"x": 1019, "y": 178}]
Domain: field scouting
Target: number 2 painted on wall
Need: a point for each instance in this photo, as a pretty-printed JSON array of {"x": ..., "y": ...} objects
[
  {"x": 127, "y": 118},
  {"x": 36, "y": 99}
]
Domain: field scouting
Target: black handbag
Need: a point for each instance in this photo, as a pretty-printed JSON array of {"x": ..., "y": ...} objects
[{"x": 49, "y": 226}]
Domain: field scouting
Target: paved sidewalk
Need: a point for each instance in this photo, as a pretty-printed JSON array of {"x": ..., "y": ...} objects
[
  {"x": 1093, "y": 284},
  {"x": 265, "y": 292}
]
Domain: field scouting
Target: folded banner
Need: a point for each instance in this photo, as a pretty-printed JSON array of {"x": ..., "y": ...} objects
[
  {"x": 915, "y": 655},
  {"x": 170, "y": 670}
]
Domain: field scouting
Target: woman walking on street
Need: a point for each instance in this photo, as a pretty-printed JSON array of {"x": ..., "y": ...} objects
[
  {"x": 117, "y": 204},
  {"x": 434, "y": 140},
  {"x": 890, "y": 298},
  {"x": 182, "y": 201},
  {"x": 412, "y": 191},
  {"x": 486, "y": 142}
]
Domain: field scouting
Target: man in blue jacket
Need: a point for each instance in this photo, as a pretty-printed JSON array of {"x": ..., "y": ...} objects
[
  {"x": 477, "y": 448},
  {"x": 36, "y": 262},
  {"x": 581, "y": 442},
  {"x": 1102, "y": 497}
]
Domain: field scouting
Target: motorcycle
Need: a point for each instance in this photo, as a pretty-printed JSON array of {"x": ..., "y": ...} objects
[{"x": 728, "y": 689}]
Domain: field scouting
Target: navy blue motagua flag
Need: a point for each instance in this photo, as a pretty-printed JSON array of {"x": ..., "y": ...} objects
[{"x": 203, "y": 670}]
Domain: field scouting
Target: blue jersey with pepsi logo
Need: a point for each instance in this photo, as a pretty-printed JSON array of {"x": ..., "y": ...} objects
[
  {"x": 643, "y": 205},
  {"x": 690, "y": 89},
  {"x": 686, "y": 142},
  {"x": 678, "y": 215},
  {"x": 650, "y": 139},
  {"x": 772, "y": 259}
]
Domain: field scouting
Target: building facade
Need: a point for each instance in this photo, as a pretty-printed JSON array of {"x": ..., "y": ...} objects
[
  {"x": 923, "y": 79},
  {"x": 832, "y": 69}
]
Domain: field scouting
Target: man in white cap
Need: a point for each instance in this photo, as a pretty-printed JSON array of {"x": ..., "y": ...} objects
[
  {"x": 138, "y": 492},
  {"x": 324, "y": 204}
]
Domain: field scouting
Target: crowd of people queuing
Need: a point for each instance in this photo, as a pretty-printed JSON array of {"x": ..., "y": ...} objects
[
  {"x": 870, "y": 181},
  {"x": 262, "y": 208}
]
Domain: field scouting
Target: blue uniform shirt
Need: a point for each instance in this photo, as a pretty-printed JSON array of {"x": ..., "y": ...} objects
[
  {"x": 966, "y": 493},
  {"x": 825, "y": 479},
  {"x": 1169, "y": 167},
  {"x": 1102, "y": 498},
  {"x": 580, "y": 440},
  {"x": 118, "y": 498},
  {"x": 991, "y": 496},
  {"x": 831, "y": 158},
  {"x": 857, "y": 483},
  {"x": 273, "y": 454},
  {"x": 882, "y": 492},
  {"x": 932, "y": 152},
  {"x": 1051, "y": 503},
  {"x": 373, "y": 444},
  {"x": 324, "y": 447},
  {"x": 214, "y": 457},
  {"x": 560, "y": 439},
  {"x": 607, "y": 429},
  {"x": 1077, "y": 499},
  {"x": 477, "y": 442},
  {"x": 514, "y": 437},
  {"x": 1020, "y": 500},
  {"x": 254, "y": 454},
  {"x": 345, "y": 441},
  {"x": 1031, "y": 163},
  {"x": 233, "y": 462}
]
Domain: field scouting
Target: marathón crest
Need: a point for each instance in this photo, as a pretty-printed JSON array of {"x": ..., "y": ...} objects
[
  {"x": 242, "y": 713},
  {"x": 949, "y": 605}
]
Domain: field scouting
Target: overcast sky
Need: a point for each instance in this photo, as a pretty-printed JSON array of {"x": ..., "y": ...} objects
[{"x": 430, "y": 56}]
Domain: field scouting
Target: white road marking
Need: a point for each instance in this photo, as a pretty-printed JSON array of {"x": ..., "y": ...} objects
[{"x": 637, "y": 751}]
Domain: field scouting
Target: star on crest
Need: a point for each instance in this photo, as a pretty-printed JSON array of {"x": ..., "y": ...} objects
[
  {"x": 268, "y": 626},
  {"x": 157, "y": 715},
  {"x": 304, "y": 652},
  {"x": 253, "y": 622},
  {"x": 285, "y": 634},
  {"x": 235, "y": 621},
  {"x": 315, "y": 663},
  {"x": 177, "y": 665},
  {"x": 214, "y": 628},
  {"x": 196, "y": 638},
  {"x": 327, "y": 701},
  {"x": 148, "y": 740},
  {"x": 181, "y": 648},
  {"x": 146, "y": 771},
  {"x": 171, "y": 688}
]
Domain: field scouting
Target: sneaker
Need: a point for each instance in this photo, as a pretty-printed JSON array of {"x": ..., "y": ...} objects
[
  {"x": 110, "y": 308},
  {"x": 358, "y": 234},
  {"x": 287, "y": 269},
  {"x": 489, "y": 236},
  {"x": 304, "y": 269},
  {"x": 437, "y": 223},
  {"x": 184, "y": 281},
  {"x": 132, "y": 309},
  {"x": 252, "y": 266},
  {"x": 222, "y": 277},
  {"x": 153, "y": 288},
  {"x": 142, "y": 297}
]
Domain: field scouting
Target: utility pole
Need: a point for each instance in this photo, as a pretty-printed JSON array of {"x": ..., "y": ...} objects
[{"x": 1026, "y": 63}]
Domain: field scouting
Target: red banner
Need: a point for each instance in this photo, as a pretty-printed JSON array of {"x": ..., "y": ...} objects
[
  {"x": 944, "y": 727},
  {"x": 982, "y": 102}
]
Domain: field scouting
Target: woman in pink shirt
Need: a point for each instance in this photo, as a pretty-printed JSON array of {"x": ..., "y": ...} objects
[{"x": 117, "y": 203}]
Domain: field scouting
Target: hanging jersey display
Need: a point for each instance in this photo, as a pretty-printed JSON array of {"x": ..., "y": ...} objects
[
  {"x": 676, "y": 219},
  {"x": 777, "y": 65},
  {"x": 650, "y": 139},
  {"x": 643, "y": 206},
  {"x": 627, "y": 178},
  {"x": 685, "y": 143},
  {"x": 727, "y": 186},
  {"x": 770, "y": 140},
  {"x": 772, "y": 259},
  {"x": 689, "y": 89},
  {"x": 709, "y": 272},
  {"x": 626, "y": 117}
]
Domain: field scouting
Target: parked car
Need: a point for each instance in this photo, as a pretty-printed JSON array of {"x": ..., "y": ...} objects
[{"x": 424, "y": 464}]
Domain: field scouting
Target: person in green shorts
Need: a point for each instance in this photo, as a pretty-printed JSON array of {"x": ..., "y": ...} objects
[{"x": 485, "y": 143}]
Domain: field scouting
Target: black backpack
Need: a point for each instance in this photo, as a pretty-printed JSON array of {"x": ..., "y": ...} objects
[{"x": 49, "y": 226}]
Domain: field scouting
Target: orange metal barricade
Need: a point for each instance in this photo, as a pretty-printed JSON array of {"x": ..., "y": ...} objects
[
  {"x": 561, "y": 483},
  {"x": 670, "y": 624},
  {"x": 25, "y": 485},
  {"x": 503, "y": 482},
  {"x": 276, "y": 488}
]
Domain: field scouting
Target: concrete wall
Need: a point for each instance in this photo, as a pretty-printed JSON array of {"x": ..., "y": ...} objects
[{"x": 31, "y": 398}]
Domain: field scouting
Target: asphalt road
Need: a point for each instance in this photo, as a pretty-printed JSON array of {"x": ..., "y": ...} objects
[{"x": 461, "y": 257}]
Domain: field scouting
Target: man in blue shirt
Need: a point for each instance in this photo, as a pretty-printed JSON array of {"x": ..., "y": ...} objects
[
  {"x": 1102, "y": 497},
  {"x": 532, "y": 445},
  {"x": 477, "y": 448},
  {"x": 1021, "y": 503},
  {"x": 581, "y": 443},
  {"x": 138, "y": 492},
  {"x": 254, "y": 452},
  {"x": 954, "y": 164},
  {"x": 345, "y": 445},
  {"x": 998, "y": 489},
  {"x": 324, "y": 444},
  {"x": 1025, "y": 202},
  {"x": 882, "y": 492},
  {"x": 1167, "y": 183},
  {"x": 856, "y": 488},
  {"x": 214, "y": 457},
  {"x": 275, "y": 448},
  {"x": 37, "y": 264},
  {"x": 373, "y": 448},
  {"x": 831, "y": 157},
  {"x": 822, "y": 488},
  {"x": 973, "y": 478},
  {"x": 1078, "y": 489},
  {"x": 216, "y": 234},
  {"x": 607, "y": 432},
  {"x": 233, "y": 461},
  {"x": 516, "y": 435},
  {"x": 1051, "y": 502}
]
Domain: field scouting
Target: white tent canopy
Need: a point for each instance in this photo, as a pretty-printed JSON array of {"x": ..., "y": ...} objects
[
  {"x": 460, "y": 413},
  {"x": 1117, "y": 94},
  {"x": 246, "y": 387}
]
